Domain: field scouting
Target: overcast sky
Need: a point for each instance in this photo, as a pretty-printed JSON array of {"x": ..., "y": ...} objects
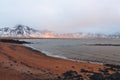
[{"x": 62, "y": 15}]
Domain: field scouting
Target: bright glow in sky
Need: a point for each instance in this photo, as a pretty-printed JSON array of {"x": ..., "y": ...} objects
[{"x": 62, "y": 15}]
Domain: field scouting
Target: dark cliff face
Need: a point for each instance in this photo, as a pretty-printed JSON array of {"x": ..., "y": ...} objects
[{"x": 14, "y": 41}]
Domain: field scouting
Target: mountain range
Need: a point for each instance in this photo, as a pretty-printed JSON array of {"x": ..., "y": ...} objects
[{"x": 22, "y": 31}]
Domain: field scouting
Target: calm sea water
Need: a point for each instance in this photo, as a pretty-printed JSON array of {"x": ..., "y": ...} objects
[{"x": 79, "y": 49}]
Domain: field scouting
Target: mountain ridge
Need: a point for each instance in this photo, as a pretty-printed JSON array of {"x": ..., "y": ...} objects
[{"x": 28, "y": 32}]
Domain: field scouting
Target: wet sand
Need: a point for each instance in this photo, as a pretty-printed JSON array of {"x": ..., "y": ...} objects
[{"x": 18, "y": 62}]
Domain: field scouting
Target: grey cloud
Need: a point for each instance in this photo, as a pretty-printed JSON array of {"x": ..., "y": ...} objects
[{"x": 61, "y": 15}]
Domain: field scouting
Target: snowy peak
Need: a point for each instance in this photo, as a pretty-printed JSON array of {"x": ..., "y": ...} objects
[
  {"x": 18, "y": 31},
  {"x": 23, "y": 30}
]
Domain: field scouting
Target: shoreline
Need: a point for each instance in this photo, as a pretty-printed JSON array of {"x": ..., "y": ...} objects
[
  {"x": 22, "y": 59},
  {"x": 18, "y": 62},
  {"x": 46, "y": 53},
  {"x": 26, "y": 44},
  {"x": 105, "y": 52},
  {"x": 62, "y": 57}
]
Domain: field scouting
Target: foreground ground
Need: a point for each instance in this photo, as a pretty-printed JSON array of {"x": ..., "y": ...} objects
[{"x": 21, "y": 63}]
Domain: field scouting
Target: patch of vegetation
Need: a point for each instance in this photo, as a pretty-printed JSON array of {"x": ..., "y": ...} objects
[
  {"x": 97, "y": 76},
  {"x": 113, "y": 66},
  {"x": 110, "y": 72},
  {"x": 70, "y": 75},
  {"x": 100, "y": 76},
  {"x": 104, "y": 74}
]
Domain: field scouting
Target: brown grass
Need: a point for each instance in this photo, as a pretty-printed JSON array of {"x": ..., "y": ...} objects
[{"x": 18, "y": 62}]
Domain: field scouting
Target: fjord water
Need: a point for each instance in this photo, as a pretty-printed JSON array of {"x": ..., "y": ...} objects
[{"x": 79, "y": 49}]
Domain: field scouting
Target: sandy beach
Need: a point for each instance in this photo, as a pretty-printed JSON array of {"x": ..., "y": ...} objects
[{"x": 18, "y": 62}]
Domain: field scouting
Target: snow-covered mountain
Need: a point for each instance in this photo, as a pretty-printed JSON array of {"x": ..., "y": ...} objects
[
  {"x": 18, "y": 31},
  {"x": 27, "y": 32}
]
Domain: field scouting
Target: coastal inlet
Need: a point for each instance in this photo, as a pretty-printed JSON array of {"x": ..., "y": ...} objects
[{"x": 91, "y": 50}]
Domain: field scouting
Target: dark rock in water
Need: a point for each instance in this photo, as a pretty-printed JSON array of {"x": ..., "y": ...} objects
[
  {"x": 104, "y": 44},
  {"x": 14, "y": 41}
]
